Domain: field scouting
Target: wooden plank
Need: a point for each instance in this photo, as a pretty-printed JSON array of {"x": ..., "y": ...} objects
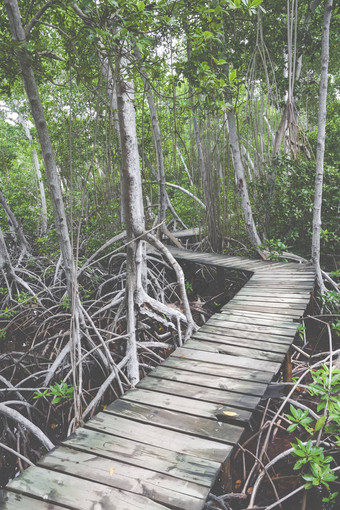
[
  {"x": 225, "y": 427},
  {"x": 170, "y": 401},
  {"x": 257, "y": 315},
  {"x": 272, "y": 283},
  {"x": 14, "y": 501},
  {"x": 158, "y": 436},
  {"x": 210, "y": 329},
  {"x": 297, "y": 303},
  {"x": 271, "y": 304},
  {"x": 155, "y": 486},
  {"x": 202, "y": 367},
  {"x": 225, "y": 359},
  {"x": 186, "y": 467},
  {"x": 268, "y": 309},
  {"x": 265, "y": 345},
  {"x": 76, "y": 493},
  {"x": 235, "y": 350},
  {"x": 217, "y": 320},
  {"x": 273, "y": 293},
  {"x": 259, "y": 320},
  {"x": 208, "y": 381},
  {"x": 196, "y": 392}
]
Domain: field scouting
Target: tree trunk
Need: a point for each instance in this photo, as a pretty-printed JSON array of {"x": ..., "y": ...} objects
[
  {"x": 212, "y": 212},
  {"x": 43, "y": 226},
  {"x": 320, "y": 149},
  {"x": 240, "y": 178},
  {"x": 18, "y": 35},
  {"x": 111, "y": 93},
  {"x": 5, "y": 262},
  {"x": 14, "y": 224},
  {"x": 162, "y": 194},
  {"x": 134, "y": 216}
]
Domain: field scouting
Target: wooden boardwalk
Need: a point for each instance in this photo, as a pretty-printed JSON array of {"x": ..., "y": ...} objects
[{"x": 161, "y": 445}]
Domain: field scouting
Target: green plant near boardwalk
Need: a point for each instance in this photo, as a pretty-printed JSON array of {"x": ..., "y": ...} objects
[
  {"x": 60, "y": 391},
  {"x": 314, "y": 464}
]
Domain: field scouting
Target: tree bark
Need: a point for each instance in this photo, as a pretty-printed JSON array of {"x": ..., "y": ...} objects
[
  {"x": 320, "y": 149},
  {"x": 134, "y": 216},
  {"x": 211, "y": 201},
  {"x": 43, "y": 226},
  {"x": 18, "y": 35},
  {"x": 14, "y": 224},
  {"x": 162, "y": 194},
  {"x": 240, "y": 178},
  {"x": 111, "y": 93}
]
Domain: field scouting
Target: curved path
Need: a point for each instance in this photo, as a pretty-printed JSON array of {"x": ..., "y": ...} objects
[{"x": 161, "y": 445}]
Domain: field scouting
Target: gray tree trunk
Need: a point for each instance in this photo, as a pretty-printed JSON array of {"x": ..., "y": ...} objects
[
  {"x": 162, "y": 194},
  {"x": 134, "y": 216},
  {"x": 43, "y": 225},
  {"x": 240, "y": 178},
  {"x": 320, "y": 149},
  {"x": 110, "y": 84},
  {"x": 14, "y": 224},
  {"x": 18, "y": 35},
  {"x": 210, "y": 199}
]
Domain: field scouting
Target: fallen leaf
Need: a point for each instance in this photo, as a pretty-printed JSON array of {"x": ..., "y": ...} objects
[
  {"x": 230, "y": 413},
  {"x": 112, "y": 470},
  {"x": 238, "y": 484}
]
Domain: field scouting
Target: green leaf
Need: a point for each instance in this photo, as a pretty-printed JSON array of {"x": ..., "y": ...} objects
[
  {"x": 141, "y": 6},
  {"x": 320, "y": 423}
]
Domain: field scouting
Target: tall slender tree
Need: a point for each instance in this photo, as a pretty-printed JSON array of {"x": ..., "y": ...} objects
[{"x": 320, "y": 148}]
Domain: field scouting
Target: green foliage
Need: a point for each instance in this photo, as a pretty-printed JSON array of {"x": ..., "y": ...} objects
[
  {"x": 312, "y": 461},
  {"x": 331, "y": 299},
  {"x": 65, "y": 303},
  {"x": 290, "y": 208},
  {"x": 7, "y": 313},
  {"x": 299, "y": 417},
  {"x": 60, "y": 391},
  {"x": 275, "y": 248},
  {"x": 188, "y": 287}
]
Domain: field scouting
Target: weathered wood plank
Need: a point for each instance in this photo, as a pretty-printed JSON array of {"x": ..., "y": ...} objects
[
  {"x": 300, "y": 303},
  {"x": 273, "y": 293},
  {"x": 225, "y": 359},
  {"x": 235, "y": 350},
  {"x": 258, "y": 320},
  {"x": 202, "y": 367},
  {"x": 171, "y": 401},
  {"x": 14, "y": 501},
  {"x": 261, "y": 329},
  {"x": 271, "y": 304},
  {"x": 208, "y": 329},
  {"x": 250, "y": 343},
  {"x": 179, "y": 465},
  {"x": 196, "y": 392},
  {"x": 266, "y": 309},
  {"x": 155, "y": 486},
  {"x": 209, "y": 381},
  {"x": 76, "y": 493},
  {"x": 258, "y": 315},
  {"x": 184, "y": 443}
]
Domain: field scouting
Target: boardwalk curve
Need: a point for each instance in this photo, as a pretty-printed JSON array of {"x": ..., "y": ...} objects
[{"x": 161, "y": 445}]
